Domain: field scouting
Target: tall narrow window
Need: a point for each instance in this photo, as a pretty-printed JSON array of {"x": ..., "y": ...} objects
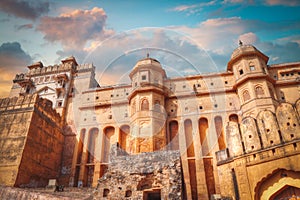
[
  {"x": 145, "y": 104},
  {"x": 188, "y": 129},
  {"x": 174, "y": 137},
  {"x": 220, "y": 132},
  {"x": 203, "y": 127},
  {"x": 259, "y": 91},
  {"x": 246, "y": 95}
]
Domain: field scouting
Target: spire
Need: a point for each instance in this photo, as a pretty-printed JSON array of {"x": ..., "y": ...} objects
[
  {"x": 240, "y": 42},
  {"x": 148, "y": 55}
]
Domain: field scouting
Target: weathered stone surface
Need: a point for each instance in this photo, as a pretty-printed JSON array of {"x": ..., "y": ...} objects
[
  {"x": 269, "y": 129},
  {"x": 156, "y": 172},
  {"x": 32, "y": 146},
  {"x": 250, "y": 134}
]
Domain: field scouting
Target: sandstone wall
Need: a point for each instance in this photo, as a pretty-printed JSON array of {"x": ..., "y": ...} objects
[
  {"x": 134, "y": 176},
  {"x": 15, "y": 119},
  {"x": 32, "y": 138},
  {"x": 257, "y": 149}
]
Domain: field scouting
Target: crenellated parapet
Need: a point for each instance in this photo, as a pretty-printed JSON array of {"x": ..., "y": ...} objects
[
  {"x": 21, "y": 102},
  {"x": 265, "y": 131},
  {"x": 29, "y": 102}
]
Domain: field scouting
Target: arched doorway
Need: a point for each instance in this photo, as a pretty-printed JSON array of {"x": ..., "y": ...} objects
[{"x": 281, "y": 184}]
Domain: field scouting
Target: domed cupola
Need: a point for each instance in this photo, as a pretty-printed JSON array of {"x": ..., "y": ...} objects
[
  {"x": 147, "y": 71},
  {"x": 245, "y": 51}
]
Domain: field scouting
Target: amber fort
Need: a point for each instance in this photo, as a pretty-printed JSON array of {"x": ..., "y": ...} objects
[{"x": 226, "y": 135}]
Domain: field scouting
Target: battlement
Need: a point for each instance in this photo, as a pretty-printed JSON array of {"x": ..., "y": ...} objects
[
  {"x": 67, "y": 65},
  {"x": 85, "y": 67},
  {"x": 29, "y": 102},
  {"x": 266, "y": 131},
  {"x": 14, "y": 103}
]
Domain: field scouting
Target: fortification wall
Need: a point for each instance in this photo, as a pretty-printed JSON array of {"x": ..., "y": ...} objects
[
  {"x": 31, "y": 140},
  {"x": 257, "y": 148},
  {"x": 15, "y": 120},
  {"x": 267, "y": 130}
]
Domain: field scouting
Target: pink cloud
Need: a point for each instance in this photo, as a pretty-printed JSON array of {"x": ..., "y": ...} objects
[
  {"x": 76, "y": 28},
  {"x": 194, "y": 8},
  {"x": 283, "y": 2},
  {"x": 248, "y": 38}
]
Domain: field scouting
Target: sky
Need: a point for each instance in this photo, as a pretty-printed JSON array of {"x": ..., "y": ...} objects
[{"x": 187, "y": 37}]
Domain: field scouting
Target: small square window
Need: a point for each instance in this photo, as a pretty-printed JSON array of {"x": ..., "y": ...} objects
[
  {"x": 186, "y": 108},
  {"x": 226, "y": 82},
  {"x": 126, "y": 115},
  {"x": 252, "y": 68},
  {"x": 184, "y": 86},
  {"x": 59, "y": 104},
  {"x": 200, "y": 107},
  {"x": 144, "y": 77},
  {"x": 109, "y": 116},
  {"x": 241, "y": 72},
  {"x": 211, "y": 84},
  {"x": 97, "y": 97},
  {"x": 198, "y": 85},
  {"x": 216, "y": 105},
  {"x": 111, "y": 95}
]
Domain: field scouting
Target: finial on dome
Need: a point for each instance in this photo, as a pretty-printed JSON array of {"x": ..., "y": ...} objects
[
  {"x": 240, "y": 42},
  {"x": 147, "y": 55}
]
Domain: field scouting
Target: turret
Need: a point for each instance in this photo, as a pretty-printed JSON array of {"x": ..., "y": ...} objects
[
  {"x": 253, "y": 84},
  {"x": 146, "y": 102}
]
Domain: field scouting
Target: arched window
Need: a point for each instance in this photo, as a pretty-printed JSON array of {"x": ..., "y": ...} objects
[
  {"x": 251, "y": 66},
  {"x": 246, "y": 95},
  {"x": 92, "y": 139},
  {"x": 145, "y": 104},
  {"x": 188, "y": 130},
  {"x": 80, "y": 145},
  {"x": 233, "y": 118},
  {"x": 259, "y": 92}
]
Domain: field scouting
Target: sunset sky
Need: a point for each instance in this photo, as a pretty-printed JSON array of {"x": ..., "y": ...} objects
[{"x": 187, "y": 37}]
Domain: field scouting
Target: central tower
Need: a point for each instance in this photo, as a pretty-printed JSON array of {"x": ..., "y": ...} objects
[{"x": 147, "y": 99}]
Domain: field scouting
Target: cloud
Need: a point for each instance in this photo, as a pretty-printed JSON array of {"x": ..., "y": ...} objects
[
  {"x": 75, "y": 29},
  {"x": 12, "y": 55},
  {"x": 13, "y": 59},
  {"x": 193, "y": 8},
  {"x": 248, "y": 38},
  {"x": 282, "y": 2},
  {"x": 30, "y": 9},
  {"x": 24, "y": 27}
]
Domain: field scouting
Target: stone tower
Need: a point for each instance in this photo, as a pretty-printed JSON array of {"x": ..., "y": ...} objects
[
  {"x": 147, "y": 100},
  {"x": 255, "y": 87}
]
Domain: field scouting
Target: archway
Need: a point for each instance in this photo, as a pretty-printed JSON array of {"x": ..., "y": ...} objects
[{"x": 280, "y": 184}]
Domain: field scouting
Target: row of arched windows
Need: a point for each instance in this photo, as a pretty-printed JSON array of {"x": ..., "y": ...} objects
[
  {"x": 259, "y": 92},
  {"x": 144, "y": 105}
]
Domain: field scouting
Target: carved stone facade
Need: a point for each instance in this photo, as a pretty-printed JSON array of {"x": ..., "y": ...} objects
[{"x": 237, "y": 131}]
